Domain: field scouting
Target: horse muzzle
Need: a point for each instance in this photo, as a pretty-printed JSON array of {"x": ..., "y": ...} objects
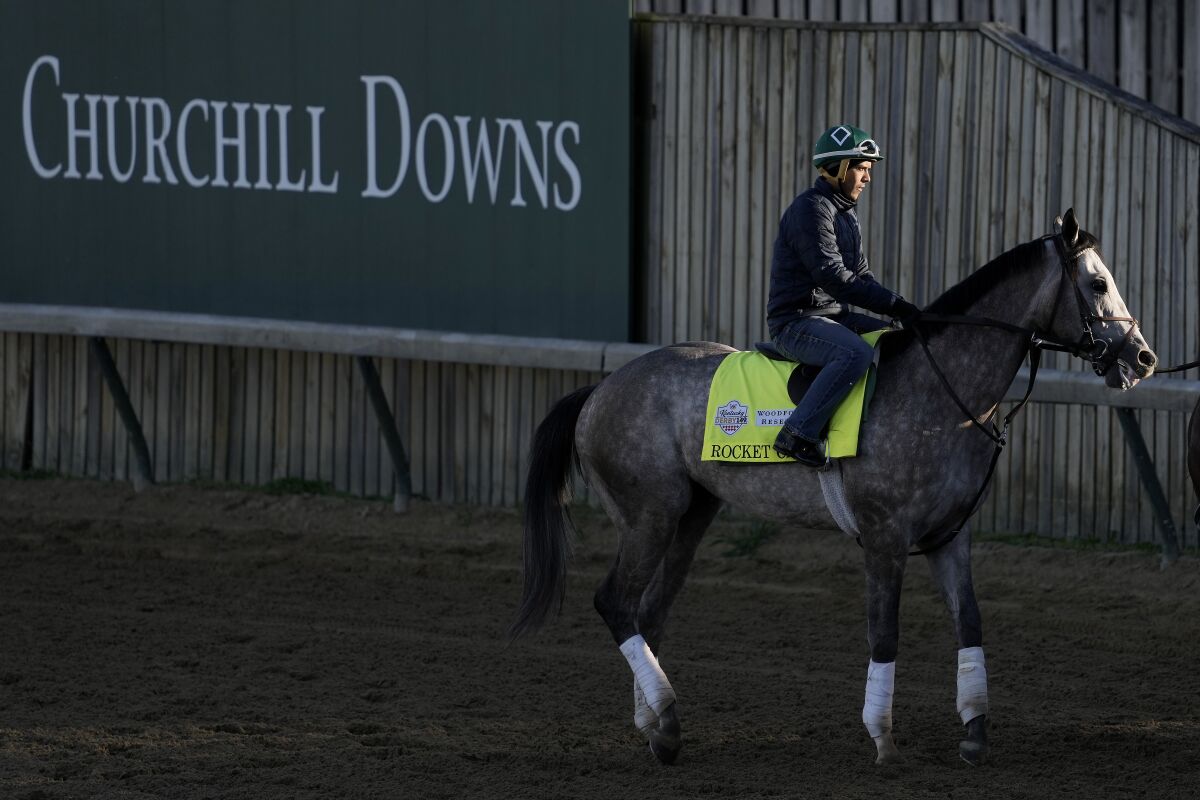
[{"x": 1133, "y": 363}]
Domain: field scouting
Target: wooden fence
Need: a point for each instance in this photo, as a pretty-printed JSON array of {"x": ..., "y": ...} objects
[
  {"x": 1149, "y": 48},
  {"x": 254, "y": 415},
  {"x": 986, "y": 142}
]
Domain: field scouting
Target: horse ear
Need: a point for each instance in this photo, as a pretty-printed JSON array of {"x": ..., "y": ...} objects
[
  {"x": 1070, "y": 228},
  {"x": 1058, "y": 224}
]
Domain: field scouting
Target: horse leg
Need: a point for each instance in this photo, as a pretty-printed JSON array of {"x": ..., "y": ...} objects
[
  {"x": 643, "y": 547},
  {"x": 951, "y": 569},
  {"x": 656, "y": 604},
  {"x": 885, "y": 576}
]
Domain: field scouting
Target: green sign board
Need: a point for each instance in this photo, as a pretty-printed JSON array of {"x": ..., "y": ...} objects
[{"x": 458, "y": 166}]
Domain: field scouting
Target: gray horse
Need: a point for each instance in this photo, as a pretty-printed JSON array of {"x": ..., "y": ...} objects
[{"x": 637, "y": 440}]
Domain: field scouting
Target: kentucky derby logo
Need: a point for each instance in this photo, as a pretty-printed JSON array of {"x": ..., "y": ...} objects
[{"x": 731, "y": 417}]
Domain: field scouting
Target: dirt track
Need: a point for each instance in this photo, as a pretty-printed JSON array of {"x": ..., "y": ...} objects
[{"x": 211, "y": 643}]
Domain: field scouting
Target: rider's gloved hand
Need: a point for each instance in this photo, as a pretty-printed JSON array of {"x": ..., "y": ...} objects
[{"x": 905, "y": 311}]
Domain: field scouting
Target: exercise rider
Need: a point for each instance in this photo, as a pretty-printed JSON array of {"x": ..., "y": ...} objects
[{"x": 817, "y": 270}]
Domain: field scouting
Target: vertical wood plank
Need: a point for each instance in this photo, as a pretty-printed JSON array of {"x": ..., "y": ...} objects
[
  {"x": 1191, "y": 62},
  {"x": 162, "y": 394},
  {"x": 281, "y": 416},
  {"x": 109, "y": 424},
  {"x": 1007, "y": 12},
  {"x": 1131, "y": 42},
  {"x": 356, "y": 449},
  {"x": 175, "y": 408},
  {"x": 40, "y": 368},
  {"x": 1039, "y": 22},
  {"x": 885, "y": 11},
  {"x": 670, "y": 161},
  {"x": 341, "y": 424},
  {"x": 373, "y": 453},
  {"x": 1164, "y": 56},
  {"x": 1070, "y": 31},
  {"x": 326, "y": 410},
  {"x": 207, "y": 405},
  {"x": 191, "y": 412},
  {"x": 726, "y": 233},
  {"x": 298, "y": 393},
  {"x": 57, "y": 432},
  {"x": 432, "y": 429},
  {"x": 252, "y": 420},
  {"x": 1102, "y": 39},
  {"x": 387, "y": 474},
  {"x": 461, "y": 431},
  {"x": 81, "y": 409},
  {"x": 512, "y": 428},
  {"x": 700, "y": 170},
  {"x": 499, "y": 424},
  {"x": 222, "y": 413},
  {"x": 474, "y": 445},
  {"x": 313, "y": 417},
  {"x": 758, "y": 260},
  {"x": 741, "y": 182}
]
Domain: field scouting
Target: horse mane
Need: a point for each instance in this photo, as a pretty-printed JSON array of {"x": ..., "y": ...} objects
[{"x": 959, "y": 297}]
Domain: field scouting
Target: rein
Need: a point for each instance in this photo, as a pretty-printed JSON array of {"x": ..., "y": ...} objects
[
  {"x": 1177, "y": 368},
  {"x": 1087, "y": 346}
]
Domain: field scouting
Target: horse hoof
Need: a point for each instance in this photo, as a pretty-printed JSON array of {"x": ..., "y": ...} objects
[
  {"x": 974, "y": 748},
  {"x": 665, "y": 741},
  {"x": 887, "y": 751}
]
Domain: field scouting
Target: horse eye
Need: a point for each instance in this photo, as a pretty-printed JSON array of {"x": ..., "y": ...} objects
[{"x": 1100, "y": 285}]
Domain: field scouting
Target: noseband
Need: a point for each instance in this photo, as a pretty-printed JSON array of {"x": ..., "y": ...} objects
[{"x": 1087, "y": 346}]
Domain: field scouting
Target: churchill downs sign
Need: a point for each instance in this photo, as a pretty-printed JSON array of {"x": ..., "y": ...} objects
[
  {"x": 149, "y": 126},
  {"x": 450, "y": 166}
]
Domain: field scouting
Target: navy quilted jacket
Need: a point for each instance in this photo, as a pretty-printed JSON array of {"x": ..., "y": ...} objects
[{"x": 818, "y": 265}]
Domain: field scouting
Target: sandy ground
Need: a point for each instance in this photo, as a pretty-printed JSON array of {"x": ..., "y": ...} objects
[{"x": 215, "y": 643}]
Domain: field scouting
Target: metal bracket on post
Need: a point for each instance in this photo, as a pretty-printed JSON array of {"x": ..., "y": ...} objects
[
  {"x": 143, "y": 473},
  {"x": 1145, "y": 467},
  {"x": 387, "y": 428}
]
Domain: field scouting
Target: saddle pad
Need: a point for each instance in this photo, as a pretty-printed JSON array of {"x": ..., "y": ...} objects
[{"x": 748, "y": 403}]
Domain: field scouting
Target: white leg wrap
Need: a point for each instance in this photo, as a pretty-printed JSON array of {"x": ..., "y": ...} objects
[
  {"x": 648, "y": 674},
  {"x": 972, "y": 684},
  {"x": 643, "y": 717},
  {"x": 877, "y": 708}
]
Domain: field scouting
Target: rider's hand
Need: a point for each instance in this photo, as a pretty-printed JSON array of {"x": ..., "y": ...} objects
[{"x": 905, "y": 311}]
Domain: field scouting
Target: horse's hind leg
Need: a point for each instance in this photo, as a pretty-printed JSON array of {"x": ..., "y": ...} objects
[
  {"x": 646, "y": 537},
  {"x": 656, "y": 604},
  {"x": 951, "y": 568}
]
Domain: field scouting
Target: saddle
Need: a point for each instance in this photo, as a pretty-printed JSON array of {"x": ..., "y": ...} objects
[
  {"x": 802, "y": 376},
  {"x": 753, "y": 393}
]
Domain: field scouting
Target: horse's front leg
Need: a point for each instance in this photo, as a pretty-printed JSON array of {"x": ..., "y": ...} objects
[
  {"x": 951, "y": 568},
  {"x": 885, "y": 576}
]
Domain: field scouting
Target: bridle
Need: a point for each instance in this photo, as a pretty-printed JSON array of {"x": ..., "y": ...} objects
[
  {"x": 1102, "y": 357},
  {"x": 1097, "y": 351}
]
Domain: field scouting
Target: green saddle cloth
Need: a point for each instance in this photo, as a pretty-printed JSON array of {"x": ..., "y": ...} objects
[{"x": 748, "y": 403}]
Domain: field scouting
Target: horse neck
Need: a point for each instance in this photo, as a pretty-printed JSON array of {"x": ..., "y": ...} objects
[{"x": 981, "y": 362}]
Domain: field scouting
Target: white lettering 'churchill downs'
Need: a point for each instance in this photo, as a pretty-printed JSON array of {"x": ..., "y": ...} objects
[{"x": 246, "y": 144}]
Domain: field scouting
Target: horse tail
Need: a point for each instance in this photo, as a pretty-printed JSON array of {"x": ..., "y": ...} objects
[{"x": 547, "y": 546}]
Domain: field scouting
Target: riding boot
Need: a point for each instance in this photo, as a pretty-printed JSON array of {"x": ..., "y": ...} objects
[{"x": 791, "y": 445}]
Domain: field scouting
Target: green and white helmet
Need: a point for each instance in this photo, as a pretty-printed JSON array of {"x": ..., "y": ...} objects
[{"x": 845, "y": 142}]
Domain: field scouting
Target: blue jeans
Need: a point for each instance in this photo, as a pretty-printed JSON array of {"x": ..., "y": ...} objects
[{"x": 834, "y": 345}]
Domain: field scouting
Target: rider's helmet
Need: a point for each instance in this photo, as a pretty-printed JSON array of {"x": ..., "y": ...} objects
[{"x": 841, "y": 146}]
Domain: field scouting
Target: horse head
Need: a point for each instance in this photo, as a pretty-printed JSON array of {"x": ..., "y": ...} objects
[{"x": 1090, "y": 310}]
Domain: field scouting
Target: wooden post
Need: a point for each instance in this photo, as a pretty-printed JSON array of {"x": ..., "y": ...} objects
[
  {"x": 143, "y": 474},
  {"x": 387, "y": 428},
  {"x": 1145, "y": 468}
]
